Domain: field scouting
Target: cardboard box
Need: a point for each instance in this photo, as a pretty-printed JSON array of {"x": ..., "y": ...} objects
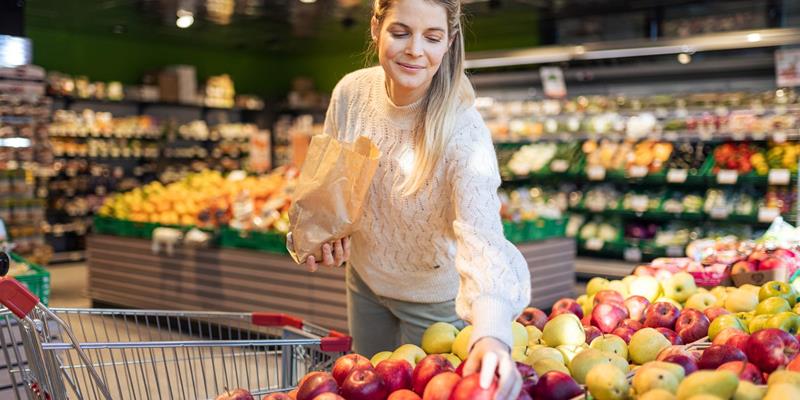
[{"x": 759, "y": 278}]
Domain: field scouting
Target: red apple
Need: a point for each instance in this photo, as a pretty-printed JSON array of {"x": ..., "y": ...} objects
[
  {"x": 624, "y": 333},
  {"x": 794, "y": 365},
  {"x": 567, "y": 304},
  {"x": 586, "y": 321},
  {"x": 396, "y": 374},
  {"x": 525, "y": 371},
  {"x": 346, "y": 364},
  {"x": 469, "y": 388},
  {"x": 743, "y": 266},
  {"x": 293, "y": 394},
  {"x": 556, "y": 385},
  {"x": 629, "y": 323},
  {"x": 675, "y": 349},
  {"x": 533, "y": 316},
  {"x": 692, "y": 325},
  {"x": 661, "y": 314},
  {"x": 441, "y": 386},
  {"x": 236, "y": 394},
  {"x": 560, "y": 311},
  {"x": 316, "y": 383},
  {"x": 643, "y": 270},
  {"x": 714, "y": 311},
  {"x": 592, "y": 333},
  {"x": 363, "y": 384},
  {"x": 426, "y": 369},
  {"x": 404, "y": 394},
  {"x": 278, "y": 396},
  {"x": 687, "y": 362},
  {"x": 745, "y": 370},
  {"x": 460, "y": 369},
  {"x": 329, "y": 396},
  {"x": 671, "y": 335},
  {"x": 523, "y": 395},
  {"x": 739, "y": 341},
  {"x": 607, "y": 316},
  {"x": 608, "y": 296},
  {"x": 636, "y": 306},
  {"x": 772, "y": 263},
  {"x": 757, "y": 256},
  {"x": 726, "y": 335},
  {"x": 717, "y": 355},
  {"x": 770, "y": 349}
]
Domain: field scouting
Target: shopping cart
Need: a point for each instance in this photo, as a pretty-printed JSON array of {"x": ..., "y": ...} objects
[{"x": 153, "y": 354}]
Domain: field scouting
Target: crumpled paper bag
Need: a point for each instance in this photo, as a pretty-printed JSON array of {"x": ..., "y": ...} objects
[{"x": 330, "y": 193}]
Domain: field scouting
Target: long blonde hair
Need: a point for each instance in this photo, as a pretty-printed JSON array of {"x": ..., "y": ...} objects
[{"x": 449, "y": 90}]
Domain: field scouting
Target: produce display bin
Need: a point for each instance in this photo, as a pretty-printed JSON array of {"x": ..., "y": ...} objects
[{"x": 37, "y": 280}]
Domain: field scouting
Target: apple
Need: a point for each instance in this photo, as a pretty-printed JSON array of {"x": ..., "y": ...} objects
[
  {"x": 645, "y": 286},
  {"x": 568, "y": 304},
  {"x": 564, "y": 329},
  {"x": 427, "y": 368},
  {"x": 794, "y": 365},
  {"x": 595, "y": 285},
  {"x": 758, "y": 322},
  {"x": 717, "y": 355},
  {"x": 439, "y": 338},
  {"x": 363, "y": 384},
  {"x": 277, "y": 396},
  {"x": 771, "y": 263},
  {"x": 636, "y": 306},
  {"x": 608, "y": 296},
  {"x": 772, "y": 305},
  {"x": 643, "y": 270},
  {"x": 346, "y": 364},
  {"x": 786, "y": 321},
  {"x": 701, "y": 301},
  {"x": 544, "y": 352},
  {"x": 556, "y": 385},
  {"x": 611, "y": 344},
  {"x": 607, "y": 383},
  {"x": 746, "y": 371},
  {"x": 778, "y": 289},
  {"x": 396, "y": 374},
  {"x": 770, "y": 349},
  {"x": 533, "y": 316},
  {"x": 727, "y": 334},
  {"x": 743, "y": 266},
  {"x": 671, "y": 335},
  {"x": 236, "y": 394},
  {"x": 469, "y": 388},
  {"x": 645, "y": 345},
  {"x": 441, "y": 386},
  {"x": 592, "y": 332},
  {"x": 404, "y": 394},
  {"x": 461, "y": 344},
  {"x": 380, "y": 356},
  {"x": 692, "y": 325},
  {"x": 607, "y": 316},
  {"x": 687, "y": 362},
  {"x": 409, "y": 352},
  {"x": 715, "y": 311},
  {"x": 328, "y": 396},
  {"x": 723, "y": 322},
  {"x": 741, "y": 300},
  {"x": 676, "y": 349},
  {"x": 569, "y": 351},
  {"x": 624, "y": 333},
  {"x": 315, "y": 384},
  {"x": 519, "y": 335},
  {"x": 680, "y": 287},
  {"x": 587, "y": 303},
  {"x": 586, "y": 321},
  {"x": 534, "y": 335},
  {"x": 661, "y": 314},
  {"x": 629, "y": 323}
]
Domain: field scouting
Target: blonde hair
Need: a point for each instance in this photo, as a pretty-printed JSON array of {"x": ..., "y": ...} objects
[{"x": 449, "y": 90}]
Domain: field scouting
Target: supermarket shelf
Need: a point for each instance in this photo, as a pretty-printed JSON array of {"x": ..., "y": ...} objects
[
  {"x": 71, "y": 99},
  {"x": 656, "y": 179},
  {"x": 664, "y": 216},
  {"x": 670, "y": 136}
]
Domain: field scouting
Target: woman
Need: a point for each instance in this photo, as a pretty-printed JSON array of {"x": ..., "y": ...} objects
[{"x": 430, "y": 246}]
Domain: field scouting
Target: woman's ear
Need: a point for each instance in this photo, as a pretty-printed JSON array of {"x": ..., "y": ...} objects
[{"x": 375, "y": 29}]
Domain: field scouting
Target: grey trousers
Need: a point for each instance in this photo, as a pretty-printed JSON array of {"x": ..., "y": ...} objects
[{"x": 382, "y": 324}]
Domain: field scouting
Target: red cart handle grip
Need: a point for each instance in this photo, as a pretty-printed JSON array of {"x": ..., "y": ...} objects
[
  {"x": 272, "y": 319},
  {"x": 17, "y": 297},
  {"x": 336, "y": 344}
]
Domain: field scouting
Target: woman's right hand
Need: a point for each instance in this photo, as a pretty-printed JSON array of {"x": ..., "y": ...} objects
[{"x": 334, "y": 254}]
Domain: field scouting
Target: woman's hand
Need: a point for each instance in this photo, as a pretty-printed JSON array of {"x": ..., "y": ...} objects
[
  {"x": 334, "y": 254},
  {"x": 491, "y": 358}
]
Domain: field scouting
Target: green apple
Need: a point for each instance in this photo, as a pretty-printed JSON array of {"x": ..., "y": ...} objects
[
  {"x": 655, "y": 378},
  {"x": 461, "y": 343},
  {"x": 784, "y": 376},
  {"x": 586, "y": 303},
  {"x": 749, "y": 391},
  {"x": 741, "y": 300},
  {"x": 628, "y": 281},
  {"x": 746, "y": 317},
  {"x": 721, "y": 294},
  {"x": 722, "y": 384},
  {"x": 778, "y": 289},
  {"x": 675, "y": 369},
  {"x": 583, "y": 362},
  {"x": 657, "y": 394},
  {"x": 611, "y": 344},
  {"x": 546, "y": 365},
  {"x": 564, "y": 329},
  {"x": 758, "y": 323},
  {"x": 607, "y": 383},
  {"x": 378, "y": 357},
  {"x": 519, "y": 334},
  {"x": 645, "y": 344},
  {"x": 534, "y": 335},
  {"x": 772, "y": 305},
  {"x": 751, "y": 288},
  {"x": 439, "y": 338},
  {"x": 796, "y": 307},
  {"x": 647, "y": 287},
  {"x": 680, "y": 287},
  {"x": 454, "y": 360},
  {"x": 619, "y": 287},
  {"x": 519, "y": 353},
  {"x": 782, "y": 391},
  {"x": 619, "y": 362},
  {"x": 569, "y": 351},
  {"x": 409, "y": 352},
  {"x": 786, "y": 321},
  {"x": 595, "y": 285},
  {"x": 701, "y": 289},
  {"x": 701, "y": 301},
  {"x": 541, "y": 353},
  {"x": 722, "y": 322}
]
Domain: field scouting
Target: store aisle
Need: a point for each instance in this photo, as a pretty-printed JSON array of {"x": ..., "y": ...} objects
[{"x": 68, "y": 285}]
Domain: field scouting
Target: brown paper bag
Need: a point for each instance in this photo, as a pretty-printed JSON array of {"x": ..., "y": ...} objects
[{"x": 330, "y": 193}]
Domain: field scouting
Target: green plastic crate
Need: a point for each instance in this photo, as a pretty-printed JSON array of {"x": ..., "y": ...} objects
[
  {"x": 271, "y": 242},
  {"x": 37, "y": 280},
  {"x": 538, "y": 229}
]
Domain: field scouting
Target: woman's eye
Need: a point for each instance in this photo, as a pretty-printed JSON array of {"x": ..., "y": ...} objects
[
  {"x": 399, "y": 34},
  {"x": 434, "y": 39}
]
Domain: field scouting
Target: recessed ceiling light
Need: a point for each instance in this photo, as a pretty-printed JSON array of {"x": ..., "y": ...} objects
[
  {"x": 753, "y": 37},
  {"x": 185, "y": 19},
  {"x": 684, "y": 58},
  {"x": 308, "y": 1}
]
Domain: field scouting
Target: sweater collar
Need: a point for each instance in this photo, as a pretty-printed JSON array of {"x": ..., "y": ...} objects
[{"x": 403, "y": 117}]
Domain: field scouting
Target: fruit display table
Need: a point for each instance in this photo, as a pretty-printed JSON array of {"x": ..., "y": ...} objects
[{"x": 125, "y": 272}]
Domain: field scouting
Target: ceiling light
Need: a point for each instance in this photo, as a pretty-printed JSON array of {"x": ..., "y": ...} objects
[
  {"x": 185, "y": 19},
  {"x": 753, "y": 37},
  {"x": 684, "y": 58},
  {"x": 308, "y": 1}
]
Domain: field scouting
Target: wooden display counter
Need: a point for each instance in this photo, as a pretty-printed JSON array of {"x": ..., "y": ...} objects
[{"x": 125, "y": 272}]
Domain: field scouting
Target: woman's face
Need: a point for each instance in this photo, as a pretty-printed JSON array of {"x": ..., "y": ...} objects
[{"x": 412, "y": 40}]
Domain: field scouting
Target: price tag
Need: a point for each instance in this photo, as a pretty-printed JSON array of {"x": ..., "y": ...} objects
[
  {"x": 633, "y": 254},
  {"x": 727, "y": 177},
  {"x": 677, "y": 175},
  {"x": 639, "y": 203},
  {"x": 768, "y": 214},
  {"x": 596, "y": 173},
  {"x": 779, "y": 177},
  {"x": 559, "y": 165},
  {"x": 637, "y": 171},
  {"x": 719, "y": 213},
  {"x": 675, "y": 251},
  {"x": 779, "y": 137},
  {"x": 594, "y": 244}
]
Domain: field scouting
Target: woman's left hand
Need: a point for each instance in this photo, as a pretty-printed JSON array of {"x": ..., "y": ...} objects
[{"x": 492, "y": 358}]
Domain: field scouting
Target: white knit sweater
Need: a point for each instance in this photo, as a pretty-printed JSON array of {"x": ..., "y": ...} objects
[{"x": 446, "y": 241}]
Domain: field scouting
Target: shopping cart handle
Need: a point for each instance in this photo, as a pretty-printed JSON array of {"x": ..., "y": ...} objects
[
  {"x": 336, "y": 344},
  {"x": 17, "y": 297},
  {"x": 274, "y": 319}
]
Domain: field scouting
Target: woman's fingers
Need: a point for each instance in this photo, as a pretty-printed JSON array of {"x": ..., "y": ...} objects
[
  {"x": 338, "y": 253},
  {"x": 311, "y": 263}
]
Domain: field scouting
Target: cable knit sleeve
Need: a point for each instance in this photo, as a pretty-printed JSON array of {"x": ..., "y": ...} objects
[
  {"x": 495, "y": 282},
  {"x": 331, "y": 125}
]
